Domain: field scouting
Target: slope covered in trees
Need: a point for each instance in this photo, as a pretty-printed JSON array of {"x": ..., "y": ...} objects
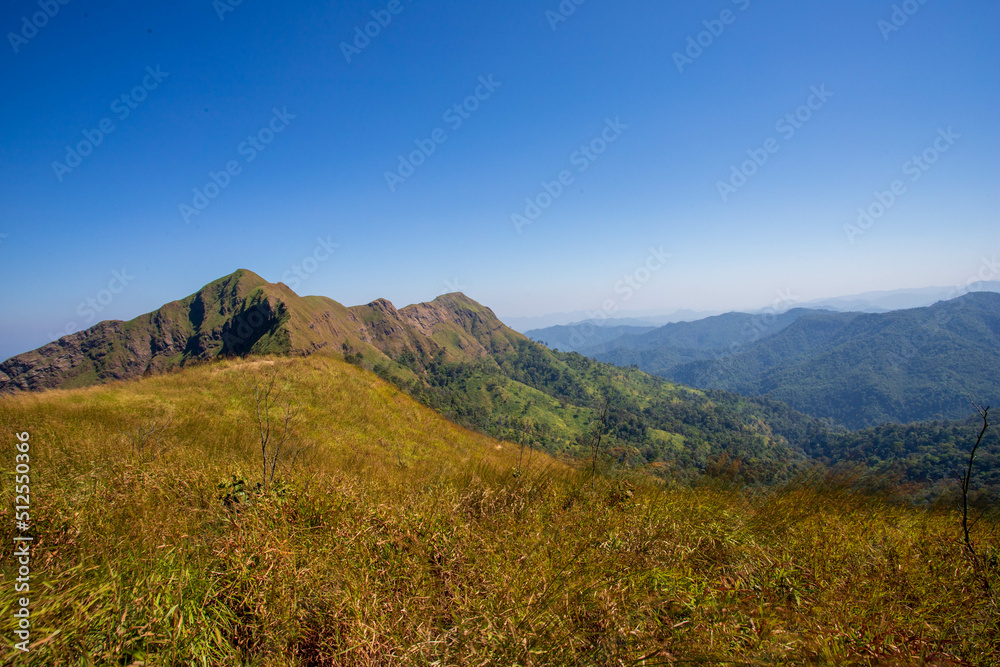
[{"x": 856, "y": 369}]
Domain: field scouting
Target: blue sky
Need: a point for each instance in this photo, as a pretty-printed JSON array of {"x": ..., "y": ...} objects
[{"x": 225, "y": 73}]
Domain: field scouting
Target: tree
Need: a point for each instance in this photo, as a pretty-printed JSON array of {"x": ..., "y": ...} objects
[
  {"x": 976, "y": 561},
  {"x": 595, "y": 442},
  {"x": 275, "y": 416}
]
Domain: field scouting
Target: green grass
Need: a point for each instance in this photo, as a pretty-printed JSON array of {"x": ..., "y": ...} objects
[{"x": 398, "y": 538}]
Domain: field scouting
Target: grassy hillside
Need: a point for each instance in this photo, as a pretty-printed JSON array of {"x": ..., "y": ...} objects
[
  {"x": 398, "y": 538},
  {"x": 553, "y": 401},
  {"x": 556, "y": 402}
]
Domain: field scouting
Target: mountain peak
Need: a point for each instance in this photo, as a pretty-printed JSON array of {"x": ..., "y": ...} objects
[
  {"x": 242, "y": 314},
  {"x": 982, "y": 297},
  {"x": 243, "y": 277},
  {"x": 460, "y": 300},
  {"x": 382, "y": 306}
]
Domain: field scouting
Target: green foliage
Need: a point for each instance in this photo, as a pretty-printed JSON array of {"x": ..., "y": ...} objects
[
  {"x": 234, "y": 494},
  {"x": 551, "y": 400},
  {"x": 931, "y": 455}
]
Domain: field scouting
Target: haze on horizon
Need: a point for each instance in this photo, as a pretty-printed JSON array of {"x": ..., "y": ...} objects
[{"x": 534, "y": 158}]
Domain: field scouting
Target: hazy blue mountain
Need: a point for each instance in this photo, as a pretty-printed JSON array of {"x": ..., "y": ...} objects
[
  {"x": 639, "y": 318},
  {"x": 584, "y": 335},
  {"x": 882, "y": 301},
  {"x": 662, "y": 349},
  {"x": 863, "y": 369},
  {"x": 888, "y": 300}
]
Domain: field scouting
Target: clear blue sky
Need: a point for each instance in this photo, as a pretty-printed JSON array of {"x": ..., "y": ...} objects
[{"x": 448, "y": 225}]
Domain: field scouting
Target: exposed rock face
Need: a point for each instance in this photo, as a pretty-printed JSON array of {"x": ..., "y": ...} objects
[
  {"x": 62, "y": 361},
  {"x": 484, "y": 332},
  {"x": 446, "y": 310},
  {"x": 243, "y": 314}
]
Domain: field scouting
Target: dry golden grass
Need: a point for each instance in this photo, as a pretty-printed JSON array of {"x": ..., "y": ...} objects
[{"x": 398, "y": 538}]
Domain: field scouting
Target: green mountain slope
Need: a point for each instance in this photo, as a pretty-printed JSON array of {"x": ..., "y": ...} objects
[
  {"x": 661, "y": 350},
  {"x": 867, "y": 369},
  {"x": 556, "y": 402}
]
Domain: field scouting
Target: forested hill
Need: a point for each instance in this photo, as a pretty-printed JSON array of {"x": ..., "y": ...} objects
[
  {"x": 858, "y": 369},
  {"x": 554, "y": 400}
]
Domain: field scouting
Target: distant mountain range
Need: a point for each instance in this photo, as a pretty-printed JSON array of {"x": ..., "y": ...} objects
[
  {"x": 563, "y": 330},
  {"x": 885, "y": 301},
  {"x": 857, "y": 369},
  {"x": 658, "y": 349},
  {"x": 585, "y": 336},
  {"x": 636, "y": 319}
]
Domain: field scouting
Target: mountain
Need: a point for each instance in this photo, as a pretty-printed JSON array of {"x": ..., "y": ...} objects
[
  {"x": 661, "y": 350},
  {"x": 648, "y": 318},
  {"x": 593, "y": 336},
  {"x": 861, "y": 369},
  {"x": 244, "y": 314},
  {"x": 583, "y": 335},
  {"x": 901, "y": 299}
]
